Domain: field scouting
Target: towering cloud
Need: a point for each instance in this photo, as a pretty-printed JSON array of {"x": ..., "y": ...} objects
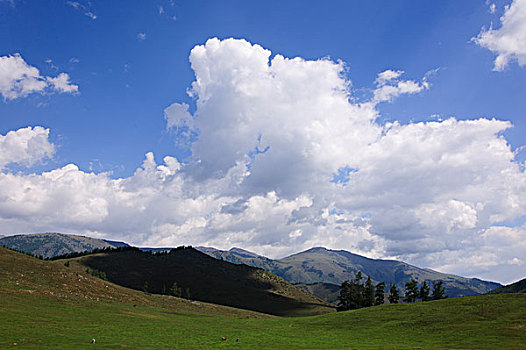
[{"x": 283, "y": 159}]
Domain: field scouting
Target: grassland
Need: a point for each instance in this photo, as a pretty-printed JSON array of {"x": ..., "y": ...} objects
[{"x": 45, "y": 305}]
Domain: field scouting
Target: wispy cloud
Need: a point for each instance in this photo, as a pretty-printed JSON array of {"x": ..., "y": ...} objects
[
  {"x": 84, "y": 8},
  {"x": 10, "y": 2},
  {"x": 141, "y": 36},
  {"x": 167, "y": 10}
]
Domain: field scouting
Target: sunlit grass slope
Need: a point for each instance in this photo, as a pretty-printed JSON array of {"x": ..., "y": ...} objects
[{"x": 45, "y": 305}]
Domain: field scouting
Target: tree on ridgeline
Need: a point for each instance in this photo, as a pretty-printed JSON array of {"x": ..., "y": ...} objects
[
  {"x": 368, "y": 293},
  {"x": 424, "y": 292},
  {"x": 393, "y": 295},
  {"x": 411, "y": 291},
  {"x": 379, "y": 293},
  {"x": 439, "y": 291}
]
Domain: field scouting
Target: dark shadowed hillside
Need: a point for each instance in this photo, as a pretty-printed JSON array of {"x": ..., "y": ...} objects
[
  {"x": 207, "y": 279},
  {"x": 517, "y": 287},
  {"x": 327, "y": 291}
]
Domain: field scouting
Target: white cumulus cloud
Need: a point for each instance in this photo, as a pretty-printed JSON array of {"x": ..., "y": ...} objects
[
  {"x": 25, "y": 146},
  {"x": 509, "y": 41},
  {"x": 18, "y": 79},
  {"x": 389, "y": 86},
  {"x": 62, "y": 83},
  {"x": 268, "y": 137}
]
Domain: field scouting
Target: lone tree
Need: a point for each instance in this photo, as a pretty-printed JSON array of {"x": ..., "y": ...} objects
[
  {"x": 175, "y": 290},
  {"x": 379, "y": 293},
  {"x": 424, "y": 292},
  {"x": 393, "y": 295},
  {"x": 411, "y": 291},
  {"x": 438, "y": 291},
  {"x": 368, "y": 293},
  {"x": 145, "y": 287}
]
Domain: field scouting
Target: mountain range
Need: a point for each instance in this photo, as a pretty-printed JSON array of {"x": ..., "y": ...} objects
[
  {"x": 321, "y": 265},
  {"x": 317, "y": 270},
  {"x": 48, "y": 245}
]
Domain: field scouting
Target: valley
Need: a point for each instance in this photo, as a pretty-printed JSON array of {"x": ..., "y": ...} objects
[{"x": 46, "y": 304}]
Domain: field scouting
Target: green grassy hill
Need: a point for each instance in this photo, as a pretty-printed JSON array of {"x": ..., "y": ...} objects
[
  {"x": 207, "y": 279},
  {"x": 517, "y": 287},
  {"x": 48, "y": 245},
  {"x": 46, "y": 305},
  {"x": 335, "y": 266}
]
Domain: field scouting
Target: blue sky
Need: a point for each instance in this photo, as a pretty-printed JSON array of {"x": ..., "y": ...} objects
[
  {"x": 125, "y": 83},
  {"x": 129, "y": 61}
]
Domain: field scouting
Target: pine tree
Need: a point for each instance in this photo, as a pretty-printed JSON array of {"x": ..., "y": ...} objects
[
  {"x": 344, "y": 296},
  {"x": 356, "y": 292},
  {"x": 424, "y": 292},
  {"x": 368, "y": 293},
  {"x": 393, "y": 295},
  {"x": 438, "y": 291},
  {"x": 379, "y": 293},
  {"x": 411, "y": 291}
]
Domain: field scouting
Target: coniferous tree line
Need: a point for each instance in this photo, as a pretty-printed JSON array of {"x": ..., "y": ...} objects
[{"x": 356, "y": 294}]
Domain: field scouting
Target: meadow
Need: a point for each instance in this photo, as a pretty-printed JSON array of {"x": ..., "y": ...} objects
[{"x": 46, "y": 305}]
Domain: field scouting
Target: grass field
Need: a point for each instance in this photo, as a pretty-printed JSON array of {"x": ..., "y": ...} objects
[{"x": 45, "y": 305}]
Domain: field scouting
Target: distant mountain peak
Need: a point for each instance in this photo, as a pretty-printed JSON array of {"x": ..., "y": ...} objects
[
  {"x": 317, "y": 249},
  {"x": 244, "y": 253}
]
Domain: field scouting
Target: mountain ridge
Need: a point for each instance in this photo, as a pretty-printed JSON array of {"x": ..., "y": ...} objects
[
  {"x": 314, "y": 265},
  {"x": 516, "y": 287},
  {"x": 323, "y": 265}
]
